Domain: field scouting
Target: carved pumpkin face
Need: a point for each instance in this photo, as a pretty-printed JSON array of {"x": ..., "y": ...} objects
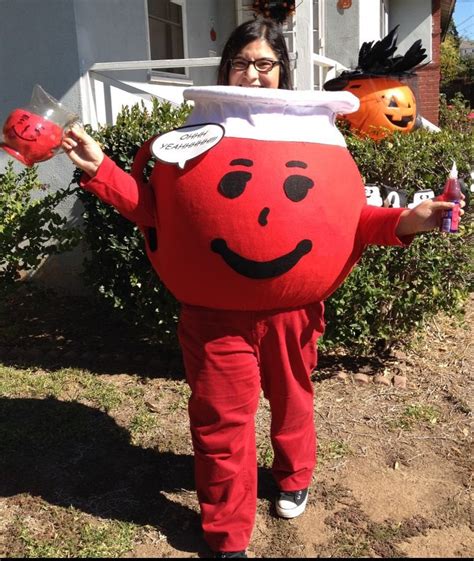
[{"x": 386, "y": 105}]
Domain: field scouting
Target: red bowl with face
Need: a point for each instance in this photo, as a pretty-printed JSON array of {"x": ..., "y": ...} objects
[{"x": 30, "y": 138}]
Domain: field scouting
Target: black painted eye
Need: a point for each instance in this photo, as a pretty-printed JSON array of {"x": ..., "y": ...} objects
[
  {"x": 296, "y": 187},
  {"x": 232, "y": 185}
]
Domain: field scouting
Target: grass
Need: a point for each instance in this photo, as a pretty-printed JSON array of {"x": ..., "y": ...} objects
[
  {"x": 60, "y": 425},
  {"x": 414, "y": 414},
  {"x": 265, "y": 453},
  {"x": 68, "y": 533},
  {"x": 330, "y": 450},
  {"x": 96, "y": 459},
  {"x": 142, "y": 423},
  {"x": 80, "y": 385}
]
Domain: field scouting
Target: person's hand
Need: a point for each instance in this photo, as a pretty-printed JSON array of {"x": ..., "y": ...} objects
[
  {"x": 83, "y": 150},
  {"x": 424, "y": 217}
]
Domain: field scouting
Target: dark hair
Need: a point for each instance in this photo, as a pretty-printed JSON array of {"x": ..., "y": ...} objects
[{"x": 247, "y": 32}]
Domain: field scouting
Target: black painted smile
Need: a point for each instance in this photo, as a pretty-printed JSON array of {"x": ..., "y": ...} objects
[
  {"x": 24, "y": 137},
  {"x": 261, "y": 269}
]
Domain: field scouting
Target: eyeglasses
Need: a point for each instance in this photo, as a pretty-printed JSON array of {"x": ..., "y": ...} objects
[{"x": 261, "y": 64}]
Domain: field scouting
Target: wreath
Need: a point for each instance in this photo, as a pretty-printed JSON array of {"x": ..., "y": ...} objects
[{"x": 278, "y": 10}]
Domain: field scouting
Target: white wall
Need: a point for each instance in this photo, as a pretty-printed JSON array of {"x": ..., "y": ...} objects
[
  {"x": 342, "y": 32},
  {"x": 415, "y": 22},
  {"x": 369, "y": 21},
  {"x": 53, "y": 42},
  {"x": 38, "y": 45},
  {"x": 202, "y": 15},
  {"x": 111, "y": 30}
]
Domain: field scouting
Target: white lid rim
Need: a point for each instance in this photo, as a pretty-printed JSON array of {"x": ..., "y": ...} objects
[{"x": 338, "y": 102}]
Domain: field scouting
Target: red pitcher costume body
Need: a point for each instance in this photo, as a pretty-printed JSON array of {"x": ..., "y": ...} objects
[{"x": 251, "y": 234}]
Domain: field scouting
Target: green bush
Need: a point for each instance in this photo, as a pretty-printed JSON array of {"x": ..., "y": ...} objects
[
  {"x": 389, "y": 293},
  {"x": 117, "y": 267},
  {"x": 392, "y": 291},
  {"x": 30, "y": 227}
]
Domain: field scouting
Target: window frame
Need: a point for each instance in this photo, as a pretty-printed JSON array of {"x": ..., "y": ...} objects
[
  {"x": 384, "y": 17},
  {"x": 162, "y": 76}
]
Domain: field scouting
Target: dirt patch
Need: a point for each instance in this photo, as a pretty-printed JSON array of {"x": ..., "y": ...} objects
[{"x": 395, "y": 445}]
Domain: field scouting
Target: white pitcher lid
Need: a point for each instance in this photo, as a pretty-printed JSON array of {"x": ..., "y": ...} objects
[{"x": 271, "y": 114}]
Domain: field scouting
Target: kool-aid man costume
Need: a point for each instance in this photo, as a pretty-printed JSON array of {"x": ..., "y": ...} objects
[{"x": 254, "y": 214}]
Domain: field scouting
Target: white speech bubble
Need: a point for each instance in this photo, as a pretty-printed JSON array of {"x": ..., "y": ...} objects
[{"x": 183, "y": 144}]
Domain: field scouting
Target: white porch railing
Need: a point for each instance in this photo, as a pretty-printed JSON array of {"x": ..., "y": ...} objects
[
  {"x": 327, "y": 69},
  {"x": 103, "y": 96}
]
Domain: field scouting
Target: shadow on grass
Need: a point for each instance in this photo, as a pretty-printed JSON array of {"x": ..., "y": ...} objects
[
  {"x": 72, "y": 455},
  {"x": 44, "y": 329}
]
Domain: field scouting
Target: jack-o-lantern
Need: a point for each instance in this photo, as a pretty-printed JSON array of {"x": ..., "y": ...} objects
[{"x": 387, "y": 103}]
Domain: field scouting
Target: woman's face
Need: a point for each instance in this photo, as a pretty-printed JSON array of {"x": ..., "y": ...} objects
[{"x": 251, "y": 77}]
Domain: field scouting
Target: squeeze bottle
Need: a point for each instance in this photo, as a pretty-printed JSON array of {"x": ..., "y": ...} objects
[{"x": 451, "y": 193}]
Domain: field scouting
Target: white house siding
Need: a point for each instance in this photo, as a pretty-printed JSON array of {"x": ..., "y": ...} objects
[
  {"x": 111, "y": 30},
  {"x": 369, "y": 21},
  {"x": 467, "y": 48},
  {"x": 342, "y": 32},
  {"x": 346, "y": 30},
  {"x": 202, "y": 15},
  {"x": 38, "y": 45},
  {"x": 415, "y": 23},
  {"x": 53, "y": 42}
]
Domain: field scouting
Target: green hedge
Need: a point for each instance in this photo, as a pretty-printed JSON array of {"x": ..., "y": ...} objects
[
  {"x": 31, "y": 229},
  {"x": 117, "y": 267},
  {"x": 392, "y": 291},
  {"x": 388, "y": 295}
]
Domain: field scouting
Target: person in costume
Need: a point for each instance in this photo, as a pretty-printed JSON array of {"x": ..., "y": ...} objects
[{"x": 254, "y": 231}]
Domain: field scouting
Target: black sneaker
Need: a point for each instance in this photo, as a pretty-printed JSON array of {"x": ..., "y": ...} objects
[
  {"x": 290, "y": 504},
  {"x": 226, "y": 554}
]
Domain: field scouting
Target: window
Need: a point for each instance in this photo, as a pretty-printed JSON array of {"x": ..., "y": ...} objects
[
  {"x": 167, "y": 33},
  {"x": 384, "y": 18}
]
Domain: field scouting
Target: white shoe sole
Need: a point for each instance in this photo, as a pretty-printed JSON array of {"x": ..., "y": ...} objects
[{"x": 291, "y": 512}]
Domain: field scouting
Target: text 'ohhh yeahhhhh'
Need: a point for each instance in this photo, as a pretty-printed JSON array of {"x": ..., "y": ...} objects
[
  {"x": 189, "y": 140},
  {"x": 179, "y": 146}
]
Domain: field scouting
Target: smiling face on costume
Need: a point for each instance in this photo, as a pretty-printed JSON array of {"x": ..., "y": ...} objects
[
  {"x": 252, "y": 78},
  {"x": 295, "y": 186},
  {"x": 253, "y": 224}
]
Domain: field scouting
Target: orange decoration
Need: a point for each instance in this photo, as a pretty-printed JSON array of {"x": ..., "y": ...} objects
[
  {"x": 344, "y": 4},
  {"x": 386, "y": 105}
]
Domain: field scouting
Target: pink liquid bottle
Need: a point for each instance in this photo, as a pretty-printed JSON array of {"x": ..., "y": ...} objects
[{"x": 451, "y": 193}]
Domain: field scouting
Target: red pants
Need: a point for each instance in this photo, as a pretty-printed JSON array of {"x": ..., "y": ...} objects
[{"x": 228, "y": 357}]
